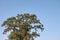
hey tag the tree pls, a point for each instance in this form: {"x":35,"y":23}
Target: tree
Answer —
{"x":21,"y":27}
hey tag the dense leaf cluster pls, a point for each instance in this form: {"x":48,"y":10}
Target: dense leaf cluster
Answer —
{"x":20,"y":27}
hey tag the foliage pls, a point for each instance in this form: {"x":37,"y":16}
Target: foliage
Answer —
{"x":21,"y":26}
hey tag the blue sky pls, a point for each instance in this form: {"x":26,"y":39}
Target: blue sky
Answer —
{"x":48,"y":11}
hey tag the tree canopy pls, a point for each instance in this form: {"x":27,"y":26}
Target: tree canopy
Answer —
{"x":21,"y":27}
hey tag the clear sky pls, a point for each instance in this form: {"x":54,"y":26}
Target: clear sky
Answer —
{"x":48,"y":11}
